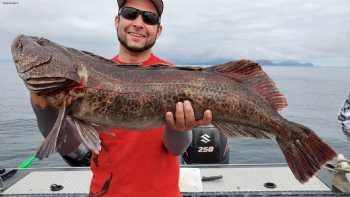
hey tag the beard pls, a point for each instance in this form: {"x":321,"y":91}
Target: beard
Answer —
{"x":147,"y":45}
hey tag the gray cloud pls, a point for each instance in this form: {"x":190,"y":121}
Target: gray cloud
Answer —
{"x":314,"y":31}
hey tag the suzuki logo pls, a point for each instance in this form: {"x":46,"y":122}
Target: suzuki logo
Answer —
{"x":205,"y":138}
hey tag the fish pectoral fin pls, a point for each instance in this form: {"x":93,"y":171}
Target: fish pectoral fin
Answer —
{"x":69,"y":139}
{"x":89,"y":135}
{"x":49,"y":144}
{"x":252,"y":75}
{"x":240,"y":130}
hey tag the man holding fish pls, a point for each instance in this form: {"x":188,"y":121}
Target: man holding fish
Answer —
{"x":136,"y":162}
{"x":81,"y":98}
{"x":143,"y":163}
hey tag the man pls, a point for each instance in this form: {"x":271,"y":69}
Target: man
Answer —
{"x":137,"y":162}
{"x":142,"y":163}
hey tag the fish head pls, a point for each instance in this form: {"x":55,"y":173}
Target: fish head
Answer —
{"x":43,"y":65}
{"x":28,"y":53}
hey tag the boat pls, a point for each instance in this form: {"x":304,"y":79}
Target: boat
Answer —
{"x":196,"y":179}
{"x":201,"y":180}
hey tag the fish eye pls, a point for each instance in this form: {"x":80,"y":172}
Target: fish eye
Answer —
{"x":19,"y":45}
{"x":42,"y":41}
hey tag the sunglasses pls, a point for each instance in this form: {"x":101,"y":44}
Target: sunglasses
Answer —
{"x":130,"y":13}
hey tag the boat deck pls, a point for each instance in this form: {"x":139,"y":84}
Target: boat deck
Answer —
{"x":200,"y":180}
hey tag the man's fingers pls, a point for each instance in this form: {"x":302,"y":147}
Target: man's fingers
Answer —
{"x":184,"y":118}
{"x":179,"y":116}
{"x":207,"y":118}
{"x":169,"y":118}
{"x":190,"y":120}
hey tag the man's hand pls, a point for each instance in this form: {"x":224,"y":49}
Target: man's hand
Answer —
{"x":184,"y":119}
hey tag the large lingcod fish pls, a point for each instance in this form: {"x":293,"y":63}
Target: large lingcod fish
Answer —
{"x":96,"y":94}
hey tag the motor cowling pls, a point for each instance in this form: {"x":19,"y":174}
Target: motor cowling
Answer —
{"x":208,"y":146}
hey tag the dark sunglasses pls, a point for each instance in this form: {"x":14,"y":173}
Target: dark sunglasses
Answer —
{"x":130,"y":13}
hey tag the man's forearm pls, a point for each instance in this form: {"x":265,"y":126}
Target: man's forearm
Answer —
{"x":177,"y":142}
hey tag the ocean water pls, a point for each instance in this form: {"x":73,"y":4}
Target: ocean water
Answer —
{"x":314,"y":96}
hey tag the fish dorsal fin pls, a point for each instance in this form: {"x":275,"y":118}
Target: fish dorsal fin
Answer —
{"x":252,"y":74}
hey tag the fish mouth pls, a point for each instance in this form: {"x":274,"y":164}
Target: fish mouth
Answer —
{"x":49,"y":85}
{"x":29,"y":53}
{"x":40,"y":66}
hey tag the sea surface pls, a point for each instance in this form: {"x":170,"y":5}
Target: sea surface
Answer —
{"x":314,"y":96}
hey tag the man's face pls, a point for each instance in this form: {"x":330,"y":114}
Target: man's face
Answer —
{"x":136,"y":35}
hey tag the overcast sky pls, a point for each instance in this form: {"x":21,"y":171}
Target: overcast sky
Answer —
{"x":316,"y":31}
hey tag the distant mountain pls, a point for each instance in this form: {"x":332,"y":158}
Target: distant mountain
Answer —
{"x":263,"y":62}
{"x":284,"y":63}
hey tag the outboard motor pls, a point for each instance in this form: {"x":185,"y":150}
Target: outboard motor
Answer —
{"x":208,"y":146}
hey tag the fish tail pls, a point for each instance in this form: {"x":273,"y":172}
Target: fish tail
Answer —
{"x":305,"y":152}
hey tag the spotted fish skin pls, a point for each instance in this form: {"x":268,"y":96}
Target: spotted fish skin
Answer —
{"x":95,"y":93}
{"x":141,"y":100}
